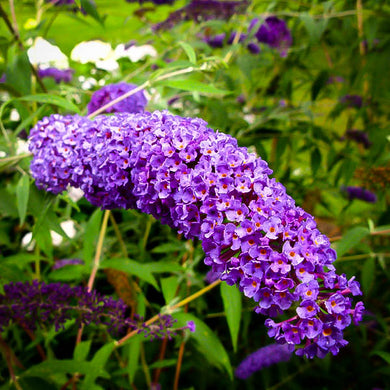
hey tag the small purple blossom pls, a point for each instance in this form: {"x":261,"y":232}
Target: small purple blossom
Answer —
{"x":274,"y":33}
{"x":360,"y":136}
{"x":134,"y":103}
{"x":58,"y":75}
{"x":65,"y":262}
{"x":354,"y":101}
{"x":215,"y":40}
{"x":359,"y":193}
{"x":262,"y":358}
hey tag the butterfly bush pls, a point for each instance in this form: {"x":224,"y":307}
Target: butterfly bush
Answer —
{"x":134,"y":103}
{"x":29,"y":304}
{"x":201,"y":183}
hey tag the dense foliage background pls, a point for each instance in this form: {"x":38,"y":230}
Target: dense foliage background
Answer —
{"x":317,"y":111}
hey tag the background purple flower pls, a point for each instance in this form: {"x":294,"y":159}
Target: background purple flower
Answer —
{"x":275,"y":33}
{"x":262,"y":358}
{"x":134,"y":103}
{"x":58,"y":75}
{"x":359,"y":193}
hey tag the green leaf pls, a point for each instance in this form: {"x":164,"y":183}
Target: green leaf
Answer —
{"x":51,"y":99}
{"x":384,"y":355}
{"x":194,"y":86}
{"x":133,"y":268}
{"x":315,"y":160}
{"x":134,"y":345}
{"x":98,"y":362}
{"x":189,"y":51}
{"x":206,"y":342}
{"x":91,"y":235}
{"x":315,"y":28}
{"x":169,"y":247}
{"x":231,"y":298}
{"x":18,"y":74}
{"x":319,"y":83}
{"x":82,"y":350}
{"x":368,"y":274}
{"x":350,"y":239}
{"x":22,"y":194}
{"x":169,"y":287}
{"x":90,"y":8}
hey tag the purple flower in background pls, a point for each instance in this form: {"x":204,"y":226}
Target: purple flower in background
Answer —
{"x":254,"y":48}
{"x":38,"y":303}
{"x":335,"y":79}
{"x":274,"y":33}
{"x":58,"y":75}
{"x":262,"y":358}
{"x":65,"y":262}
{"x":360,"y":136}
{"x":157,"y":2}
{"x":201,"y":183}
{"x":3,"y":78}
{"x":134,"y":103}
{"x":355,"y":101}
{"x":215,"y":40}
{"x":359,"y":193}
{"x":233,"y":35}
{"x":202,"y":10}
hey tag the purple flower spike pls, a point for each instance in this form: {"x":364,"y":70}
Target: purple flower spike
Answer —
{"x":359,"y":193}
{"x":274,"y":33}
{"x":262,"y":358}
{"x":215,"y":40}
{"x":134,"y":103}
{"x":201,"y":183}
{"x":58,"y":75}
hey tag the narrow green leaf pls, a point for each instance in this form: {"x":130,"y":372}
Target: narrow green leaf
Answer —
{"x":315,"y":160}
{"x":169,"y":287}
{"x":82,"y":350}
{"x":368,"y":274}
{"x":189,"y":51}
{"x":319,"y":83}
{"x":133,"y":268}
{"x":18,"y":74}
{"x":231,"y":298}
{"x":97,"y":363}
{"x":350,"y":239}
{"x":194,"y":86}
{"x":206,"y":342}
{"x":134,"y":345}
{"x":22,"y":194}
{"x":91,"y":235}
{"x":384,"y":355}
{"x":90,"y":9}
{"x":51,"y":99}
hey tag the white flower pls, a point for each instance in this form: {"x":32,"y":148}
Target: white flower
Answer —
{"x":44,"y":54}
{"x":135,"y":53}
{"x":27,"y":242}
{"x":91,"y":51}
{"x":75,"y":193}
{"x":21,"y":146}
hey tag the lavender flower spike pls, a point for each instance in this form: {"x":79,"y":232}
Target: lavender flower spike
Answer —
{"x":134,"y":103}
{"x":201,"y":183}
{"x":262,"y":358}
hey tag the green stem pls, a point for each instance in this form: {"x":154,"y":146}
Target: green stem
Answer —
{"x":171,"y":309}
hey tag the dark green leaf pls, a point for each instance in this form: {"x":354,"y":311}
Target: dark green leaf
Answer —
{"x":169,"y":288}
{"x":133,"y":268}
{"x":315,"y":160}
{"x":231,"y":298}
{"x":90,"y":9}
{"x":18,"y":74}
{"x":81,"y":350}
{"x":22,"y":194}
{"x":319,"y":83}
{"x":350,"y":239}
{"x":91,"y":235}
{"x":368,"y":274}
{"x":206,"y":342}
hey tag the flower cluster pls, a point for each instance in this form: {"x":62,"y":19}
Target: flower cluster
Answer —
{"x":352,"y":101}
{"x":203,"y":184}
{"x":29,"y":304}
{"x":58,"y":75}
{"x":360,"y":136}
{"x":202,"y":10}
{"x":262,"y":358}
{"x":272,"y":32}
{"x":359,"y":193}
{"x":134,"y":103}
